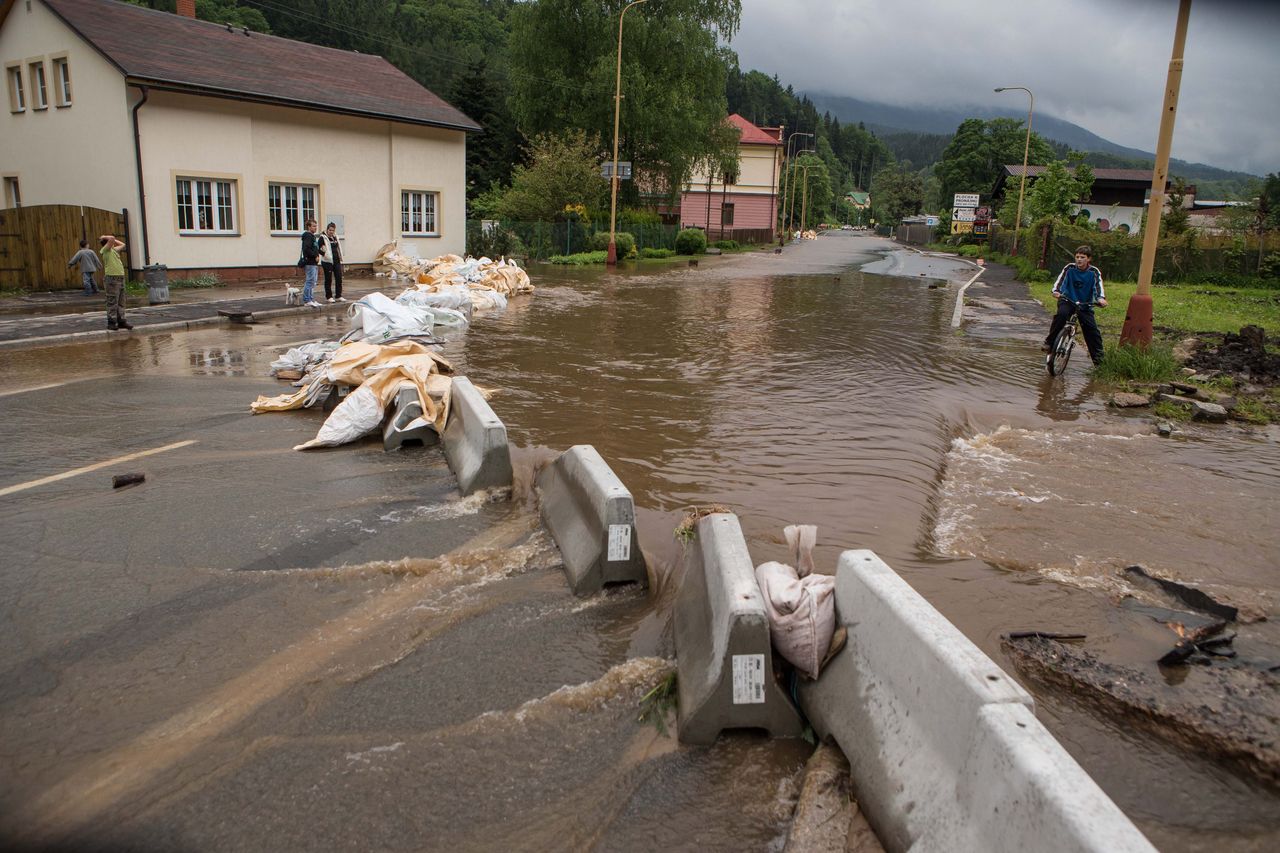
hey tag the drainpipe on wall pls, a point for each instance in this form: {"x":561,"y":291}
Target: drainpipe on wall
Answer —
{"x":142,"y":191}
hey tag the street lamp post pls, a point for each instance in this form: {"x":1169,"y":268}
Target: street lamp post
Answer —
{"x":1026,"y":149}
{"x":611,"y":258}
{"x":789,"y":208}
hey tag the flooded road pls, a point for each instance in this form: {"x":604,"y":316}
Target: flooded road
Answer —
{"x":335,"y":650}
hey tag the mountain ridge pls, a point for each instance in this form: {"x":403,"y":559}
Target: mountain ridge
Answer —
{"x":888,"y":119}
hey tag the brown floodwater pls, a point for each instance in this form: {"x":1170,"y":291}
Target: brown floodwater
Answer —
{"x":347,"y":654}
{"x":828,"y":396}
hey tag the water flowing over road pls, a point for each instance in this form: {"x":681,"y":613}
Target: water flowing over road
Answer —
{"x":360,"y":657}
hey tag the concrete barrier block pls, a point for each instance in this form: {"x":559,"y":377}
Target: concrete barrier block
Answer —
{"x":405,"y":408}
{"x":475,"y":441}
{"x":909,"y":700}
{"x":1020,"y":790}
{"x":723,"y":652}
{"x":592,"y":518}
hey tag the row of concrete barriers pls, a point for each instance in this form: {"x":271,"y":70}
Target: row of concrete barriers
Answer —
{"x":944,"y":748}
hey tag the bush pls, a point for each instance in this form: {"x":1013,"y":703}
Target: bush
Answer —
{"x":626,"y":243}
{"x":657,"y":253}
{"x":691,"y":241}
{"x":726,"y":245}
{"x":580,"y":259}
{"x":200,"y":281}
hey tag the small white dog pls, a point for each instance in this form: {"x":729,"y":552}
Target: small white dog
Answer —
{"x":292,"y":295}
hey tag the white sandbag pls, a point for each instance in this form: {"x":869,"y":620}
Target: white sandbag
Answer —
{"x":457,"y":297}
{"x":376,"y":318}
{"x":358,"y":415}
{"x":300,"y":358}
{"x":484,"y":298}
{"x":801,"y":610}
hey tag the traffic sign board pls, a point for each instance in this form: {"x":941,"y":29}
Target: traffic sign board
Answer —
{"x":963,"y":214}
{"x":958,"y":227}
{"x":624,"y":170}
{"x":966,"y":200}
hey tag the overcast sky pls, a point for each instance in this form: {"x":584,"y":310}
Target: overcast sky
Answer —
{"x":1101,"y":64}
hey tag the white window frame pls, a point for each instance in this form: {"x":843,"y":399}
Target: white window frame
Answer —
{"x":415,"y":219}
{"x":209,"y":207}
{"x":39,"y":86}
{"x":12,"y":191}
{"x":62,"y":81}
{"x":289,"y":208}
{"x":17,"y":95}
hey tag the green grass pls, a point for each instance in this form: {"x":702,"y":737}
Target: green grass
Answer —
{"x":1153,"y":364}
{"x":1170,"y":411}
{"x":200,"y":281}
{"x":579,"y":259}
{"x":1184,"y":308}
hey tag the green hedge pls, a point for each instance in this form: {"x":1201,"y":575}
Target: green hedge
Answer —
{"x":691,"y":241}
{"x":625,"y":242}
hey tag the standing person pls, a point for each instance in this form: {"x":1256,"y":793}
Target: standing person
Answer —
{"x":1078,"y":287}
{"x":331,"y":260}
{"x":310,"y":263}
{"x":89,"y":264}
{"x":113,"y":281}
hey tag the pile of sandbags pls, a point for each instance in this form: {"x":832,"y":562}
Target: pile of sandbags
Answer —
{"x":377,"y":373}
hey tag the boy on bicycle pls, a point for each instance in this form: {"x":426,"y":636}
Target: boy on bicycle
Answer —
{"x":1078,"y":287}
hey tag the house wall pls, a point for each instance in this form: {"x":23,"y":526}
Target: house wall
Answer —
{"x":1112,"y":217}
{"x":84,"y":154}
{"x":359,"y":165}
{"x":753,"y":195}
{"x":78,"y":154}
{"x":758,"y":171}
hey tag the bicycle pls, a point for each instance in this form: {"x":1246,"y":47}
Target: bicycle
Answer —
{"x":1060,"y":351}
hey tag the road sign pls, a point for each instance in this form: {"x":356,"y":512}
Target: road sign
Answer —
{"x":624,"y":170}
{"x":966,"y":200}
{"x":961,"y":227}
{"x":963,"y":214}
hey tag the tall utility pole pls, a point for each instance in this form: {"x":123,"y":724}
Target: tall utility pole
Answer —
{"x":1026,"y":150}
{"x":1140,"y":314}
{"x":611,"y":257}
{"x":789,"y":207}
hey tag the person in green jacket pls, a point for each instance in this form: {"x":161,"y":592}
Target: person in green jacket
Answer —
{"x":113,"y":281}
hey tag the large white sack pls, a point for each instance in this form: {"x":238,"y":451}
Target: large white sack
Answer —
{"x":376,"y":318}
{"x":455,"y":296}
{"x":358,"y":415}
{"x":801,"y":610}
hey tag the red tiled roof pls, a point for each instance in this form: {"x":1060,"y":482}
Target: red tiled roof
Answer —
{"x":752,"y":135}
{"x":172,"y":52}
{"x":1139,"y":175}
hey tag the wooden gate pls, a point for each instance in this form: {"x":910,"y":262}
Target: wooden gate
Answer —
{"x":36,"y":243}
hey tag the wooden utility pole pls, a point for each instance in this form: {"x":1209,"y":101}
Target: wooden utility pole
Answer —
{"x":1140,"y":315}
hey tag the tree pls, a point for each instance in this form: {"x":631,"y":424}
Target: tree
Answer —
{"x":564,"y":170}
{"x":497,"y":148}
{"x":896,"y":192}
{"x":1056,"y":190}
{"x":1176,"y":222}
{"x":563,"y":56}
{"x":979,"y":151}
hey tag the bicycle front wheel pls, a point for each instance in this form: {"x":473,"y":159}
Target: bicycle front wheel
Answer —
{"x":1061,"y":353}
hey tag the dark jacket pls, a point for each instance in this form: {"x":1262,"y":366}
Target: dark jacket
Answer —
{"x":1079,"y":285}
{"x":310,"y":250}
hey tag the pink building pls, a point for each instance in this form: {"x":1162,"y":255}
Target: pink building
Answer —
{"x":741,"y":206}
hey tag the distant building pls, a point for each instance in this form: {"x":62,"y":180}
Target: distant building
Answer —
{"x":859,"y":200}
{"x":742,"y":205}
{"x":221,"y":142}
{"x":1116,"y":202}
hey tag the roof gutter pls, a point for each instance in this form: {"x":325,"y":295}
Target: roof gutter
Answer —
{"x":250,"y":98}
{"x":142,"y":190}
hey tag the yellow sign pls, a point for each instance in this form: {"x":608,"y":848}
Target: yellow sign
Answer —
{"x":961,"y":227}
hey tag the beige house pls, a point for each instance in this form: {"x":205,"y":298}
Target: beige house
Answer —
{"x":220,"y":142}
{"x":743,"y":204}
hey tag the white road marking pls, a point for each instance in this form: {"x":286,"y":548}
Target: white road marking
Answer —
{"x":42,"y":387}
{"x":955,"y":317}
{"x":8,"y":490}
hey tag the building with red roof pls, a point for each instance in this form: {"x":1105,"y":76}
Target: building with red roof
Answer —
{"x":743,"y":204}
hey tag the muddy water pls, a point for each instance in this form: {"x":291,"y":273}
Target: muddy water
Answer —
{"x":384,"y":662}
{"x":830,"y":396}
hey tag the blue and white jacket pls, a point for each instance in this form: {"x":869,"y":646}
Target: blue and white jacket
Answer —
{"x":1079,"y":285}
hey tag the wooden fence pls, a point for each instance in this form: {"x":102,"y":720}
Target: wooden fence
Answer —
{"x":36,"y":243}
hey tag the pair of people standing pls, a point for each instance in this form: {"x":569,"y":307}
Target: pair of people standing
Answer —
{"x":321,"y":250}
{"x":108,"y":260}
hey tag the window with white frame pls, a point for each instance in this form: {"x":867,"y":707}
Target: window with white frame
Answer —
{"x":12,"y":192}
{"x":62,"y":81}
{"x":418,"y":213}
{"x":206,"y":206}
{"x":17,"y":97}
{"x":39,"y":90}
{"x":289,"y":206}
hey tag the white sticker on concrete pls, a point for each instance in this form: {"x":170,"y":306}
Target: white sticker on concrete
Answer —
{"x":619,"y":542}
{"x":748,"y":679}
